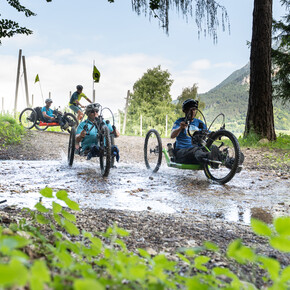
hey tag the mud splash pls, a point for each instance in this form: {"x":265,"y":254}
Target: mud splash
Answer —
{"x":132,"y":187}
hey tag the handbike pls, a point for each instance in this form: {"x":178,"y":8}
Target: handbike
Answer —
{"x":30,"y":118}
{"x":220,"y":171}
{"x":104,"y":142}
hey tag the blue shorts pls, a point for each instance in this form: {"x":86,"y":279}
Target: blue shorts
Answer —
{"x":75,"y":108}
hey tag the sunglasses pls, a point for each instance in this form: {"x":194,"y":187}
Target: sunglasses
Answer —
{"x":93,"y":111}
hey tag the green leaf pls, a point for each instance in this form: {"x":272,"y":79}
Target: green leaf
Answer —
{"x":199,"y":261}
{"x":87,"y":284}
{"x":57,"y":218}
{"x":183,"y":258}
{"x":41,"y":208}
{"x":71,"y":228}
{"x":56,"y":208}
{"x":211,"y":246}
{"x":281,"y":243}
{"x":271,"y":265}
{"x":65,"y":258}
{"x":62,"y":195}
{"x":68,"y":216}
{"x":285,"y":276}
{"x":41,"y":219}
{"x":122,"y":232}
{"x":13,"y":274}
{"x":46,"y":192}
{"x":239,"y":252}
{"x":260,"y":228}
{"x":144,"y":253}
{"x":40,"y":271}
{"x":9,"y":243}
{"x":71,"y":204}
{"x":282,"y":226}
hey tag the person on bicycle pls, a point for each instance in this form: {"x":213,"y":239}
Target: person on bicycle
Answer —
{"x":87,"y":134}
{"x":50,"y":116}
{"x":75,"y":104}
{"x":186,"y":151}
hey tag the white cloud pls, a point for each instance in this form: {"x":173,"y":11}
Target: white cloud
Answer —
{"x":60,"y":71}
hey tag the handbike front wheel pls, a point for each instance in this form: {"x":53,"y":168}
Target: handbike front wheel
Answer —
{"x":229,"y":156}
{"x":28,"y":118}
{"x":105,"y":151}
{"x":71,"y":146}
{"x":153,"y":150}
{"x":72,"y":121}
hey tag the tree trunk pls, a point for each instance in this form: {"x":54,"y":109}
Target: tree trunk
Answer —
{"x":260,"y":117}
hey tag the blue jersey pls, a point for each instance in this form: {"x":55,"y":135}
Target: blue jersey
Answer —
{"x":92,"y":134}
{"x":183,"y":140}
{"x":49,"y":111}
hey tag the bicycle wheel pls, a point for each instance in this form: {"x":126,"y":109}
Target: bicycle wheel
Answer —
{"x":112,"y":137}
{"x":40,"y":128}
{"x":72,"y":120}
{"x":105,"y":151}
{"x":229,"y":155}
{"x":153,"y":150}
{"x":71,"y":146}
{"x":28,"y":118}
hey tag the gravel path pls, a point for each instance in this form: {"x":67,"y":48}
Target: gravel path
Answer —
{"x":156,"y":232}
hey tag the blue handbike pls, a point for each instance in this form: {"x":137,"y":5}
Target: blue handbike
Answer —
{"x":220,"y":171}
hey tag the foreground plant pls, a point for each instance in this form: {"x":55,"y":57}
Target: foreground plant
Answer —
{"x":48,"y":251}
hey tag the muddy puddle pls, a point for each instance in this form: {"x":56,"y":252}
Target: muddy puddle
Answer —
{"x":131,"y":186}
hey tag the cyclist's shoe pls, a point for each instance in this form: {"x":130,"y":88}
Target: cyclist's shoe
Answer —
{"x":215,"y":157}
{"x":230,"y":162}
{"x":89,"y":156}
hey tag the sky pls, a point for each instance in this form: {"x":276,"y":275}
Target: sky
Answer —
{"x":69,"y":36}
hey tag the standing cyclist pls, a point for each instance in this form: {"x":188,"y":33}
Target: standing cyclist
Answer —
{"x":74,"y":102}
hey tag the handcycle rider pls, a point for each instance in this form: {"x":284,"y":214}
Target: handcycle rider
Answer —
{"x":188,"y":150}
{"x":75,"y":104}
{"x":50,"y":116}
{"x":87,"y":134}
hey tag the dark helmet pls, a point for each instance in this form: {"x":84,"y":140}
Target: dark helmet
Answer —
{"x":189,"y":103}
{"x":48,"y":100}
{"x":92,"y":107}
{"x":79,"y":87}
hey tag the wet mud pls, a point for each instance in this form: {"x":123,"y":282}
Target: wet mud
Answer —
{"x":132,"y":187}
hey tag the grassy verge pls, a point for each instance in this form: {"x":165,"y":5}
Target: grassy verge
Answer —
{"x":10,"y":131}
{"x":282,"y":142}
{"x":48,"y":251}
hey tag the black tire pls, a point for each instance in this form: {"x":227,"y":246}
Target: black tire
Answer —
{"x":229,"y":149}
{"x":72,"y":120}
{"x":40,"y":128}
{"x":112,"y":137}
{"x":153,"y":150}
{"x":28,"y":118}
{"x":105,"y":151}
{"x":71,"y":146}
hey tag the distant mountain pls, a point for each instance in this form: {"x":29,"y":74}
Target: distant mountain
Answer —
{"x":231,"y":98}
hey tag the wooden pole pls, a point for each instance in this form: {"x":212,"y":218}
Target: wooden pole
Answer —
{"x":17,"y":80}
{"x":94,"y":95}
{"x":25,"y":81}
{"x":32,"y":100}
{"x":126,"y":109}
{"x":2,"y":106}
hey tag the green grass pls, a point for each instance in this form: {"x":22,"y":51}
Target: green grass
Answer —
{"x":11,"y":131}
{"x":282,"y":142}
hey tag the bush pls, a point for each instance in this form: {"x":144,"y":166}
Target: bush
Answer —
{"x":33,"y":258}
{"x":10,"y":131}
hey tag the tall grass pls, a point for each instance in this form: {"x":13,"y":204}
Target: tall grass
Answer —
{"x":11,"y":131}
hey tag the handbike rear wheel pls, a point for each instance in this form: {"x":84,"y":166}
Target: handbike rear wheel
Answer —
{"x":153,"y":150}
{"x":71,"y":146}
{"x":28,"y":118}
{"x":72,"y":120}
{"x":229,"y":155}
{"x":105,"y":151}
{"x":40,"y":128}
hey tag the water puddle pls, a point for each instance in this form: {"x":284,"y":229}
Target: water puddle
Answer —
{"x":132,"y":187}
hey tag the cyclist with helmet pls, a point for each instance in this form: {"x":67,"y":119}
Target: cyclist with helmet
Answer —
{"x":186,"y":151}
{"x":74,"y":102}
{"x":87,"y":133}
{"x":49,"y":115}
